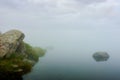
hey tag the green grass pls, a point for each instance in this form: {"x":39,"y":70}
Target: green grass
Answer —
{"x":39,"y":51}
{"x":16,"y":63}
{"x":34,"y":52}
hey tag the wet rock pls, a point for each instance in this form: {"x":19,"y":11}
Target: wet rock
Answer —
{"x":101,"y":56}
{"x":9,"y":42}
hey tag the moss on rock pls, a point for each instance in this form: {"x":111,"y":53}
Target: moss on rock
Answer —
{"x":21,"y":63}
{"x":16,"y":56}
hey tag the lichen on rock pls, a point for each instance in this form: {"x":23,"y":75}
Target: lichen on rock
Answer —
{"x":9,"y":42}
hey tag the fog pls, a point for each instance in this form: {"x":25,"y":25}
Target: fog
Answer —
{"x":69,"y":29}
{"x":32,"y":15}
{"x":78,"y":24}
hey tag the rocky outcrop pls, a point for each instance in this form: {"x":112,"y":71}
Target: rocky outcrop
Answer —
{"x":16,"y":56}
{"x":10,"y":42}
{"x":101,"y":56}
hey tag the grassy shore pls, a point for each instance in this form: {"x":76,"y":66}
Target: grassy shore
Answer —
{"x":21,"y":63}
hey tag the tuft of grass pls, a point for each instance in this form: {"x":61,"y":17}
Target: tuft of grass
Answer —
{"x":34,"y":53}
{"x":21,"y":63}
{"x":39,"y":51}
{"x":15,"y":64}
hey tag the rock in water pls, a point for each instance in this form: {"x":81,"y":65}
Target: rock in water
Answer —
{"x":101,"y":56}
{"x":9,"y":42}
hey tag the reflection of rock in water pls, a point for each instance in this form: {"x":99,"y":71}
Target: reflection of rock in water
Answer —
{"x":10,"y":76}
{"x":101,"y":56}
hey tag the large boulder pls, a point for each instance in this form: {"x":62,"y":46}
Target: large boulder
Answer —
{"x":101,"y":56}
{"x":10,"y":42}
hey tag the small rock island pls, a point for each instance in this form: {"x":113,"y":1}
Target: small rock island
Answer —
{"x":16,"y":56}
{"x":101,"y":56}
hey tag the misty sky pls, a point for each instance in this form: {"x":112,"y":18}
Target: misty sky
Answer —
{"x":59,"y":14}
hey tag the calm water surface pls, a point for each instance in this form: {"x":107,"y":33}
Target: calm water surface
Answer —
{"x":69,"y":55}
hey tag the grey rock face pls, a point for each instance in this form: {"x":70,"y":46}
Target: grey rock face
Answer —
{"x":9,"y":42}
{"x":101,"y":56}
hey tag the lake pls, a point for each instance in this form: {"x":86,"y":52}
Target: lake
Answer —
{"x":69,"y":55}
